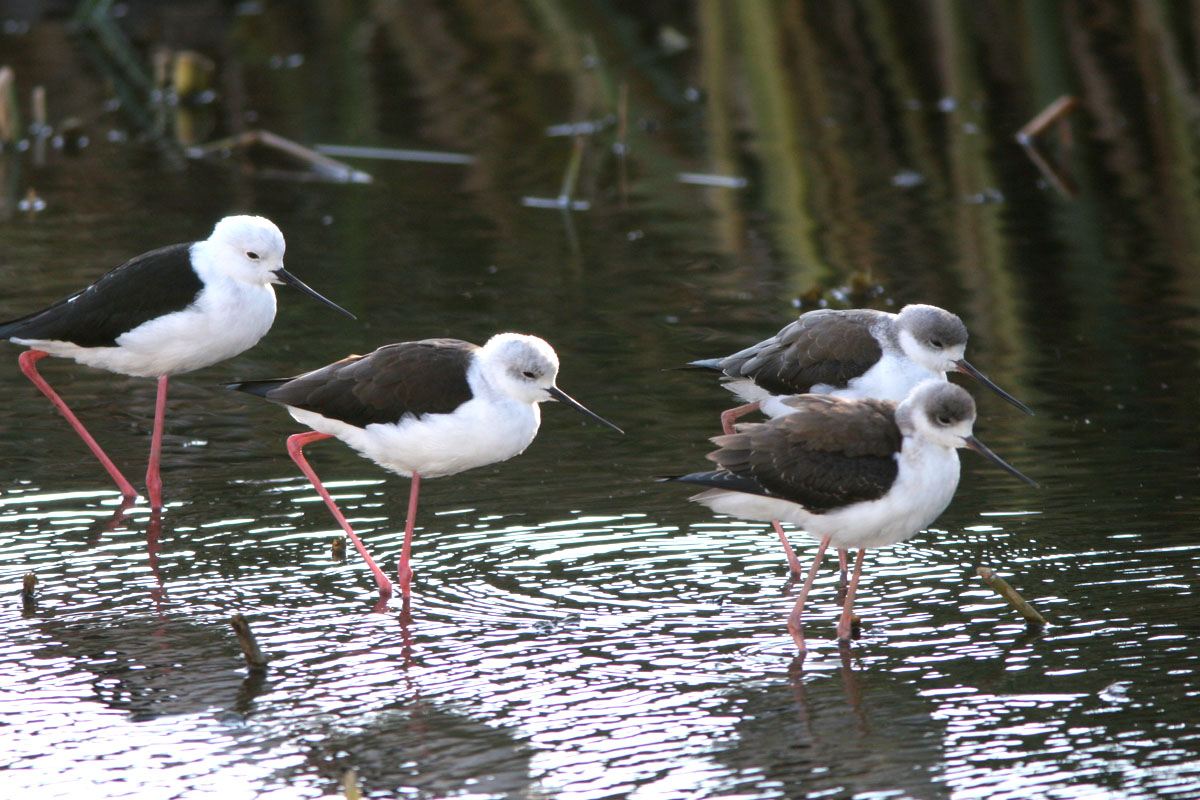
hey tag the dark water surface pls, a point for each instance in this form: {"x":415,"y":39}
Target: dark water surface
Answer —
{"x":580,"y":631}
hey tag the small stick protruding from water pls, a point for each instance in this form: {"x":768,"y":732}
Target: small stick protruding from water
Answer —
{"x":255,"y":659}
{"x":1048,"y":116}
{"x":1001,"y":587}
{"x":10,"y":118}
{"x":350,"y":785}
{"x":29,"y":592}
{"x":339,"y":548}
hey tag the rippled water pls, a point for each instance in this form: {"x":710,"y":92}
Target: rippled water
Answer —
{"x":579,"y":630}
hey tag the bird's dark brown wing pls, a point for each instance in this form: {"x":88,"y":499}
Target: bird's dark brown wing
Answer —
{"x":145,"y":287}
{"x":830,"y":452}
{"x":423,"y":377}
{"x":820,"y":347}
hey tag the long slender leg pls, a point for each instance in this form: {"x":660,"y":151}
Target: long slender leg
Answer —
{"x":794,"y":626}
{"x":404,"y":571}
{"x":845,"y":623}
{"x":28,"y":361}
{"x":295,"y":447}
{"x":153,"y":479}
{"x":727,"y":417}
{"x":793,"y":562}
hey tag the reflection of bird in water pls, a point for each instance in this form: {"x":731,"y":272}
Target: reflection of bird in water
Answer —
{"x":854,"y":473}
{"x":423,"y":409}
{"x":165,"y":312}
{"x":857,"y":354}
{"x":418,"y":750}
{"x":849,"y":734}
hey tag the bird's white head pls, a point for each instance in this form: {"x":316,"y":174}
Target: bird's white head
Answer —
{"x":944,"y":414}
{"x":247,"y":249}
{"x":940,"y":412}
{"x":524,"y":367}
{"x":521,"y":366}
{"x":932,"y":337}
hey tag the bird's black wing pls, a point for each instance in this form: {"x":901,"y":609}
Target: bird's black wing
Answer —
{"x":829,"y":453}
{"x":820,"y":347}
{"x":145,"y":287}
{"x":423,"y":377}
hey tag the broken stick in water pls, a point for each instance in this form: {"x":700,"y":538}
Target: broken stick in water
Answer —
{"x":255,"y":659}
{"x":1001,"y":587}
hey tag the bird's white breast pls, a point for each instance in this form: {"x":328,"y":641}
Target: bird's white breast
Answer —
{"x":434,"y":445}
{"x":227,"y":318}
{"x":924,"y":486}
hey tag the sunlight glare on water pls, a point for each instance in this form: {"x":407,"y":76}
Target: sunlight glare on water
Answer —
{"x":578,"y":629}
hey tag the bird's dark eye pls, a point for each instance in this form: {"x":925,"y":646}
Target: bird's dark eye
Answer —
{"x":529,"y":374}
{"x":937,"y":343}
{"x":252,"y":256}
{"x":943,"y":419}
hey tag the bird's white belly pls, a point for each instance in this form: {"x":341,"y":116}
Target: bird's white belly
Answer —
{"x":219,"y":325}
{"x":435,"y":445}
{"x":890,"y":378}
{"x":915,"y":500}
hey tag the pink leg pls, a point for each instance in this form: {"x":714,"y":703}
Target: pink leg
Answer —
{"x":404,"y":571}
{"x":845,"y":623}
{"x":842,"y":563}
{"x":295,"y":447}
{"x":793,"y":562}
{"x":153,"y":479}
{"x":794,"y":626}
{"x":28,"y":361}
{"x":727,"y":417}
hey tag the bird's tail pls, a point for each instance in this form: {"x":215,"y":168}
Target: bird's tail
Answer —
{"x":260,"y":388}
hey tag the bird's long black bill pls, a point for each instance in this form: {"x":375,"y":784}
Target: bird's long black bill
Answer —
{"x":982,"y":449}
{"x":561,"y":396}
{"x":292,"y":280}
{"x":965,"y":368}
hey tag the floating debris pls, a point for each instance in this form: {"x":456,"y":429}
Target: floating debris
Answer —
{"x":586,"y":128}
{"x":31,"y":203}
{"x":320,"y":166}
{"x":561,"y":201}
{"x":907,"y":179}
{"x":722,"y":181}
{"x":394,"y":154}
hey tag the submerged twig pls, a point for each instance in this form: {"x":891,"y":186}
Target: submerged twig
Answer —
{"x":1002,"y":588}
{"x":255,"y":659}
{"x":324,"y":166}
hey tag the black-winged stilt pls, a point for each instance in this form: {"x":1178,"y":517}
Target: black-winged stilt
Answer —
{"x":424,"y":409}
{"x":165,"y":312}
{"x":856,"y":354}
{"x":852,"y":473}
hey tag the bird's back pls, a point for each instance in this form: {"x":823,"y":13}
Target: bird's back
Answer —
{"x":143,"y":288}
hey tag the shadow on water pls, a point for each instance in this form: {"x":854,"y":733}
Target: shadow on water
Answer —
{"x":579,"y":630}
